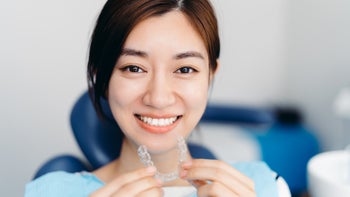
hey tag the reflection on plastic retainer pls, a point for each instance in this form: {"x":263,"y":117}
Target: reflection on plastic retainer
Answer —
{"x":146,"y":159}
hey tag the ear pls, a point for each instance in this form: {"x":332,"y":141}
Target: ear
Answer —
{"x":213,"y":73}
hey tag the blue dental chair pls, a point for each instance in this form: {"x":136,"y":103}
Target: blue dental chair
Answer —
{"x":100,"y":140}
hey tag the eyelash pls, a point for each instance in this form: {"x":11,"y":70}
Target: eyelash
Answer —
{"x":186,"y":70}
{"x":131,"y":68}
{"x":137,"y":69}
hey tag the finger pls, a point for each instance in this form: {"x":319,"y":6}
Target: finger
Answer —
{"x":141,"y":187}
{"x":219,"y":166}
{"x":218,"y":171}
{"x":123,"y":180}
{"x":154,"y":192}
{"x":213,"y":177}
{"x":215,"y":189}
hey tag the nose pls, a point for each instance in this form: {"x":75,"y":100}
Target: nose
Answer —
{"x":160,"y":92}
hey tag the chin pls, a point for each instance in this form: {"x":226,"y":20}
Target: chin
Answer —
{"x":159,"y":145}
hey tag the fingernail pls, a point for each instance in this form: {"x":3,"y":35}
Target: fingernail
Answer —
{"x":151,"y":169}
{"x":160,"y":182}
{"x":183,"y":173}
{"x":186,"y":164}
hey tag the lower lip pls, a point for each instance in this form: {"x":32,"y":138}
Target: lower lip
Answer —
{"x":157,"y":129}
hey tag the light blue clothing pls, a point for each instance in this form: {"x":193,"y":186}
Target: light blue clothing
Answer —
{"x":58,"y":184}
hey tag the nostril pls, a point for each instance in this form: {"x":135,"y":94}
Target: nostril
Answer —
{"x":159,"y":97}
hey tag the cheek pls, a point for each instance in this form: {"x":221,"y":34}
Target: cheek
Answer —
{"x":121,"y":97}
{"x":121,"y":93}
{"x":195,"y":94}
{"x":195,"y":100}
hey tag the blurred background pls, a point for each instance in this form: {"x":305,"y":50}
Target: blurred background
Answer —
{"x":274,"y":52}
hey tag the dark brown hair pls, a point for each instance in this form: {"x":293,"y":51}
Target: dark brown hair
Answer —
{"x":119,"y":17}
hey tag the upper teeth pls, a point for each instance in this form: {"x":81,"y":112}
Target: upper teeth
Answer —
{"x":158,"y":122}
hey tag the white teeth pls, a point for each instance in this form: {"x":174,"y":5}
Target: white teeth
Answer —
{"x":158,"y":122}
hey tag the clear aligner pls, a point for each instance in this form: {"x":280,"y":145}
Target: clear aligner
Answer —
{"x":146,"y":159}
{"x":182,"y":149}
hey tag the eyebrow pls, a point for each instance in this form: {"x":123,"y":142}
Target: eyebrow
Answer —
{"x":133,"y":52}
{"x":138,"y":53}
{"x":188,"y":54}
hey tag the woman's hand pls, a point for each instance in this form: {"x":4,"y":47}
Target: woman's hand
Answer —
{"x":216,"y":178}
{"x":137,"y":183}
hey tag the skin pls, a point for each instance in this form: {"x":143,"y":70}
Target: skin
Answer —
{"x":163,"y":73}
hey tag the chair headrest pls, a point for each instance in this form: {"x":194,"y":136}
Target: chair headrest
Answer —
{"x":99,"y":140}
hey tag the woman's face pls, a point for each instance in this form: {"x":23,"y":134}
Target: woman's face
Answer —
{"x":159,"y":86}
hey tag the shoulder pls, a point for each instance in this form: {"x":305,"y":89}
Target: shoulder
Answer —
{"x":266,"y":181}
{"x":62,"y":184}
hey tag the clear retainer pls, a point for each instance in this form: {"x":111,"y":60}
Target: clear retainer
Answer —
{"x":146,"y":159}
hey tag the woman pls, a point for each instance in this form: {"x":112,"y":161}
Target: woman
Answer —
{"x":154,"y":61}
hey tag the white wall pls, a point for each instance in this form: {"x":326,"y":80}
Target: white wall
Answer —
{"x":253,"y":51}
{"x":43,"y":52}
{"x":319,"y":63}
{"x":43,"y":56}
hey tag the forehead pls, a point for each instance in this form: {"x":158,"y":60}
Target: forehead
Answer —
{"x":171,"y":31}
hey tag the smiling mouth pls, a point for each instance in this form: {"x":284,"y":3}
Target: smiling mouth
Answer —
{"x":158,"y":122}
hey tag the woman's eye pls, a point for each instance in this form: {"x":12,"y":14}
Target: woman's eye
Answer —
{"x":185,"y":70}
{"x":133,"y":69}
